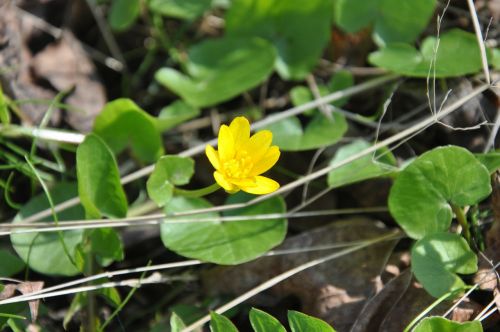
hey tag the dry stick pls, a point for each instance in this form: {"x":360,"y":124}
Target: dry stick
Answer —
{"x":38,"y":294}
{"x":157,"y":219}
{"x":283,"y":276}
{"x":480,"y":41}
{"x":263,"y":123}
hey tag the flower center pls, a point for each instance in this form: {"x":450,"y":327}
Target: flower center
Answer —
{"x":240,"y":166}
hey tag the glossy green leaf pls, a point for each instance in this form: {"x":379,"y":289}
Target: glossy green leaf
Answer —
{"x":10,"y":264}
{"x":176,"y":113}
{"x":420,"y":197}
{"x":457,"y":55}
{"x":4,"y":110}
{"x":44,"y":252}
{"x":490,"y":160}
{"x":169,"y":171}
{"x":392,"y":20}
{"x":220,"y":323}
{"x":300,"y":322}
{"x":289,"y":135}
{"x":106,"y":245}
{"x":371,"y":166}
{"x":122,"y":123}
{"x":223,"y":242}
{"x":440,"y":324}
{"x":264,"y":322}
{"x":283,"y":24}
{"x":182,"y":9}
{"x":123,"y":14}
{"x":220,"y":70}
{"x":99,"y":187}
{"x":437,"y":257}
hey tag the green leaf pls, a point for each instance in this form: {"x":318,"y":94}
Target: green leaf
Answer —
{"x":99,"y":187}
{"x":11,"y":264}
{"x":289,"y":135}
{"x":122,"y":123}
{"x":361,"y":169}
{"x":283,"y":24}
{"x":440,"y":324}
{"x":264,"y":322}
{"x":457,"y":55}
{"x":175,"y":114}
{"x":232,"y":242}
{"x":44,"y":252}
{"x":4,"y":110}
{"x":182,"y":9}
{"x":169,"y":171}
{"x":176,"y":323}
{"x":106,"y":245}
{"x":220,"y":70}
{"x":220,"y":323}
{"x":300,"y":322}
{"x":420,"y":197}
{"x":123,"y":14}
{"x":437,"y":257}
{"x":490,"y":160}
{"x":393,"y":20}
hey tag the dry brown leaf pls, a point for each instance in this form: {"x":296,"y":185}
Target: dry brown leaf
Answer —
{"x":65,"y":65}
{"x":335,"y":291}
{"x":28,"y":287}
{"x":8,"y":291}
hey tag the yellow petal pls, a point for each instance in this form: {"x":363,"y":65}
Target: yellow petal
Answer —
{"x":259,"y":144}
{"x":248,"y":182}
{"x":240,"y":128}
{"x":212,"y":156}
{"x":224,"y":183}
{"x":226,"y":144}
{"x":266,"y":162}
{"x":263,"y":186}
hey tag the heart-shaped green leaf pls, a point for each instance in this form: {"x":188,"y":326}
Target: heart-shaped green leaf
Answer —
{"x":122,"y":122}
{"x":440,"y":324}
{"x":99,"y":187}
{"x":264,"y":322}
{"x":183,"y":9}
{"x":437,"y":257}
{"x":220,"y":70}
{"x":44,"y":252}
{"x":289,"y":135}
{"x":232,"y":242}
{"x":393,"y":20}
{"x":422,"y":193}
{"x":457,"y":55}
{"x":300,"y":322}
{"x":364,"y":168}
{"x":283,"y":24}
{"x":169,"y":171}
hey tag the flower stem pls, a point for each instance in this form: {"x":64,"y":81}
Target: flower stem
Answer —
{"x":197,"y":192}
{"x":462,"y":220}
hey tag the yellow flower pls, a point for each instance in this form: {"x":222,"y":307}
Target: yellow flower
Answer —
{"x":241,"y":158}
